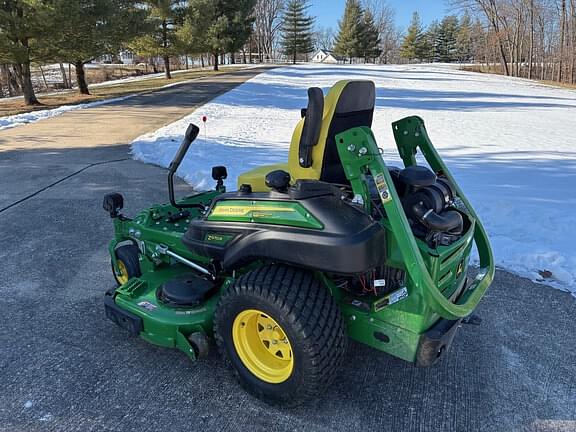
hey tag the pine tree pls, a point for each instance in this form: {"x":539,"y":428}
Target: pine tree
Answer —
{"x":446,"y":40}
{"x":431,"y":36}
{"x":87,"y":29}
{"x":370,"y":40}
{"x":161,"y":38}
{"x":411,"y":46}
{"x":240,"y":15}
{"x":297,"y":34}
{"x":464,"y":39}
{"x":349,"y":42}
{"x":22,"y":25}
{"x":478,"y":41}
{"x":216,"y":26}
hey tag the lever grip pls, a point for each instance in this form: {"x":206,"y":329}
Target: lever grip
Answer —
{"x":189,"y":137}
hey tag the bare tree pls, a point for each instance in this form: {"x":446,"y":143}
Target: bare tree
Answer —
{"x":267,"y":27}
{"x":531,"y":49}
{"x":324,"y":38}
{"x":490,"y":10}
{"x":389,"y":34}
{"x":561,"y":45}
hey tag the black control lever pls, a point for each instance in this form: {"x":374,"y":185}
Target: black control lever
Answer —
{"x":189,"y":137}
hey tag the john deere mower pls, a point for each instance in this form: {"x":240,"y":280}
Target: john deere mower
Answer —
{"x":334,"y":245}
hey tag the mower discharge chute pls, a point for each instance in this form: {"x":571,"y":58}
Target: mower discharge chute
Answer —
{"x":332,"y":245}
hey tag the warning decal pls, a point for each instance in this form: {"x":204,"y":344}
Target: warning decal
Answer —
{"x":382,"y":187}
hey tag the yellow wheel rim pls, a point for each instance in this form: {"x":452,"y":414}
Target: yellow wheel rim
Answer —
{"x":263,"y":346}
{"x":122,"y":275}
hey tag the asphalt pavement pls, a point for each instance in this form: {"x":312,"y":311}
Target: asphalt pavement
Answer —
{"x":65,"y":367}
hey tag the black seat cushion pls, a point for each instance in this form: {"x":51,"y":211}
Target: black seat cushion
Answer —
{"x":354,"y":108}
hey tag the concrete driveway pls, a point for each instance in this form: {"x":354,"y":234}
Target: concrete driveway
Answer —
{"x":63,"y":366}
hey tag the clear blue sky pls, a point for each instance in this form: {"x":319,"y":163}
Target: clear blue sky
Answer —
{"x":328,"y":12}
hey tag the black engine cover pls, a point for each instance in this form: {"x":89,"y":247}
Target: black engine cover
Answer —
{"x":350,"y":243}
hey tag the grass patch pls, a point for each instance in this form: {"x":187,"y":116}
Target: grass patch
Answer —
{"x":72,"y":97}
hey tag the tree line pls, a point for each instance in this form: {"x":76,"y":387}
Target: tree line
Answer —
{"x":78,"y":32}
{"x":452,"y":39}
{"x":529,"y":38}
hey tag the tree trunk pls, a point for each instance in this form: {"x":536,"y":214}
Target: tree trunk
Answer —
{"x":561,"y":47}
{"x":14,"y":89}
{"x":491,"y":12}
{"x":27,"y":87}
{"x":81,"y":77}
{"x":531,"y":49}
{"x":65,"y":81}
{"x":166,"y":57}
{"x":167,"y":73}
{"x":43,"y":77}
{"x":15,"y":81}
{"x":215,"y":55}
{"x":24,"y":71}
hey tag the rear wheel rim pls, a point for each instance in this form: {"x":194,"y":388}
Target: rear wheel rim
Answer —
{"x":262,"y":346}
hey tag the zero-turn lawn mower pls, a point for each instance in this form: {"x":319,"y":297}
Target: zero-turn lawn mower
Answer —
{"x":304,"y":255}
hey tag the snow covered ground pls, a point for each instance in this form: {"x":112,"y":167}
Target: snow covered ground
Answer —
{"x":509,"y":142}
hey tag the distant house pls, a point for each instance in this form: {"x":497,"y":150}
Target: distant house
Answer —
{"x":127,"y":57}
{"x":324,"y":56}
{"x":123,"y":57}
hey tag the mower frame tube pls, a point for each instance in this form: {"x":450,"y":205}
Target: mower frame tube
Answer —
{"x":360,"y":155}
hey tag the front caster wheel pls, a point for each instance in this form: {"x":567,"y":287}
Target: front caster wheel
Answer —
{"x":281,"y":332}
{"x":127,"y":263}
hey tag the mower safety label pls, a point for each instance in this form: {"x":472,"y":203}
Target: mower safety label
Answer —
{"x":391,"y":298}
{"x":147,"y":305}
{"x":398,"y":295}
{"x":382,"y":187}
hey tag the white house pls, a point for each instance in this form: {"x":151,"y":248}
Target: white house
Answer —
{"x":324,"y":56}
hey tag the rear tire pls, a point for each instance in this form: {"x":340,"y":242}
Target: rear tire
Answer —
{"x":128,"y":263}
{"x":307,"y":328}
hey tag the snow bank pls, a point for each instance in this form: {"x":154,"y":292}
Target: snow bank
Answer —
{"x":509,"y":142}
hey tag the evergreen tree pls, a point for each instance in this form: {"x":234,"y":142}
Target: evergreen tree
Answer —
{"x":23,"y":23}
{"x":216,"y":26}
{"x":87,"y":29}
{"x":446,"y":39}
{"x":478,"y":41}
{"x":370,"y":37}
{"x":429,"y":47}
{"x":240,"y":15}
{"x":412,"y":45}
{"x":464,"y":39}
{"x":161,"y":39}
{"x":297,"y":33}
{"x":349,"y":41}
